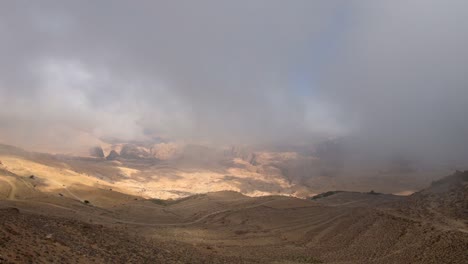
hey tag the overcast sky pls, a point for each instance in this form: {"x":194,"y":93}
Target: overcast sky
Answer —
{"x":388,"y":75}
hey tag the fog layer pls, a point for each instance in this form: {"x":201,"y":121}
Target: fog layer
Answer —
{"x":389,"y":76}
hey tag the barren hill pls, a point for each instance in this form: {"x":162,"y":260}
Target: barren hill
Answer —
{"x":90,"y":210}
{"x":170,"y":171}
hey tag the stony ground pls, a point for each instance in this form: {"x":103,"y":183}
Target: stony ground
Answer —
{"x":26,"y":238}
{"x":226,"y":227}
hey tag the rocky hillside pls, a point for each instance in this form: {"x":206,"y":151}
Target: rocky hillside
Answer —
{"x":445,"y":201}
{"x":30,"y":238}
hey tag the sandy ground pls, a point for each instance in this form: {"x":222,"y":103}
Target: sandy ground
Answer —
{"x":45,"y":219}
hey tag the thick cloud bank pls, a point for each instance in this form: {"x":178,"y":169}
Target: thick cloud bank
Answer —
{"x":389,"y":75}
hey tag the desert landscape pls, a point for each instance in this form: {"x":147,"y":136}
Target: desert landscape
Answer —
{"x":55,"y":211}
{"x":234,"y":131}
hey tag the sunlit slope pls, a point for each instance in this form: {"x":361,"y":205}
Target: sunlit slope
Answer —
{"x":149,"y":179}
{"x":344,"y":227}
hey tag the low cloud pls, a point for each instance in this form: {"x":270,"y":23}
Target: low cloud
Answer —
{"x":388,"y":76}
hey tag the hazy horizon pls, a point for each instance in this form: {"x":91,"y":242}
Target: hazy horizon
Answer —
{"x":388,"y":77}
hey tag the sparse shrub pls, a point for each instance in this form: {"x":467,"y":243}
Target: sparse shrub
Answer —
{"x":86,"y":202}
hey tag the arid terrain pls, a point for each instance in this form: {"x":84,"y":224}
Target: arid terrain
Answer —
{"x":265,"y":131}
{"x":171,"y":170}
{"x":74,"y":210}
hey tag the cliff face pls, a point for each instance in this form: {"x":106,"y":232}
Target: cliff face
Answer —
{"x":131,"y":151}
{"x":96,"y":152}
{"x":113,"y":155}
{"x":166,"y":151}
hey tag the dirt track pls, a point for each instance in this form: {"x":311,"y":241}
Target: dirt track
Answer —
{"x":12,"y":187}
{"x":227,"y":226}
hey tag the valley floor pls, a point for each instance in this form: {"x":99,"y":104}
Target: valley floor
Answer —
{"x":228,"y":227}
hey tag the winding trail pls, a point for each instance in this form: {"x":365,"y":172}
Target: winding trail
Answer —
{"x":195,"y":221}
{"x":66,"y":189}
{"x":119,"y":221}
{"x":13,"y":190}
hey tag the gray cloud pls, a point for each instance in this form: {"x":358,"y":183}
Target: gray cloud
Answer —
{"x":401,"y":75}
{"x":389,"y":75}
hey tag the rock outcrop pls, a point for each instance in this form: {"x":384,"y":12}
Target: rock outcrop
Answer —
{"x":166,"y":151}
{"x":131,"y":151}
{"x":113,"y":155}
{"x":96,"y":152}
